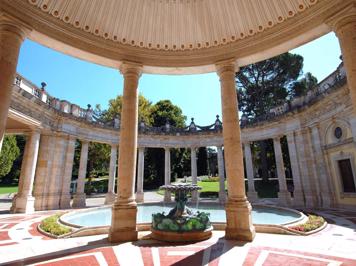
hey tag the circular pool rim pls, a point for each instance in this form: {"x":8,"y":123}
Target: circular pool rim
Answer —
{"x":302,"y":217}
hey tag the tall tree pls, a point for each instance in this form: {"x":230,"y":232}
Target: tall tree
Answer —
{"x":202,"y":162}
{"x":162,"y":112}
{"x":9,"y":153}
{"x":265,"y":84}
{"x":115,"y":107}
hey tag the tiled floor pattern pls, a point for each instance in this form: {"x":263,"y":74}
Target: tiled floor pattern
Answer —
{"x":22,"y":244}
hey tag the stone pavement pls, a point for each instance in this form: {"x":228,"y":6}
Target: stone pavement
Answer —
{"x":22,"y":244}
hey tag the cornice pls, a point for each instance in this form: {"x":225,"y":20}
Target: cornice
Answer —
{"x":51,"y":31}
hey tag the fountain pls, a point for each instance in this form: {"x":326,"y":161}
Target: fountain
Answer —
{"x":181,"y":224}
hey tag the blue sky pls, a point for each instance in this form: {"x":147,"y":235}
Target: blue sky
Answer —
{"x":81,"y":82}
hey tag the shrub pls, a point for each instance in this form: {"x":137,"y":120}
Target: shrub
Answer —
{"x":211,"y":179}
{"x":51,"y":225}
{"x":313,"y":223}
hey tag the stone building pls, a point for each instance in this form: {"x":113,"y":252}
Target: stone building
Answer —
{"x":181,"y":37}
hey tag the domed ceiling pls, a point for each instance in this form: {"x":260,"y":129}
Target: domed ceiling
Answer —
{"x":173,"y":25}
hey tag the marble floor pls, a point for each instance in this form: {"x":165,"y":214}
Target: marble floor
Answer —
{"x":22,"y":244}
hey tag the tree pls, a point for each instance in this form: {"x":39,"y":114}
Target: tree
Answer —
{"x":164,"y":111}
{"x":202,"y":162}
{"x":267,"y":83}
{"x":303,"y":85}
{"x":9,"y":153}
{"x":115,"y":108}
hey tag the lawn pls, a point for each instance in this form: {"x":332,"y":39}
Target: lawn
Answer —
{"x":6,"y":189}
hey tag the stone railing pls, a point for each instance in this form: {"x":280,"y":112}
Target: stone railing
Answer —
{"x":60,"y":105}
{"x":335,"y":80}
{"x":332,"y":82}
{"x":191,"y":129}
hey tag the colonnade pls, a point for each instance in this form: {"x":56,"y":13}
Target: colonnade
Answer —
{"x":123,"y":227}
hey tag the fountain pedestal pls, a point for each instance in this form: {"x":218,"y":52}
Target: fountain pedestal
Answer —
{"x":181,"y":225}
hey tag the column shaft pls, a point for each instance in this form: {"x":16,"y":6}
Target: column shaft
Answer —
{"x":221,"y":169}
{"x":298,"y":196}
{"x":194,"y":172}
{"x":238,"y":209}
{"x":67,"y":175}
{"x":252,"y":195}
{"x":283,"y":194}
{"x":79,"y":197}
{"x":24,"y":199}
{"x":123,"y":225}
{"x":306,"y":165}
{"x":110,"y":196}
{"x":12,"y":34}
{"x":167,"y":173}
{"x":43,"y":171}
{"x":140,"y":175}
{"x":324,"y":180}
{"x":344,"y":25}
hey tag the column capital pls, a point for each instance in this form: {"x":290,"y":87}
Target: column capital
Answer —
{"x":224,"y":66}
{"x":84,"y":141}
{"x":342,"y":18}
{"x":13,"y":25}
{"x":142,"y":149}
{"x":131,"y":69}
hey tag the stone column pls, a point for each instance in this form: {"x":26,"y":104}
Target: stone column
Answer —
{"x":221,"y":169}
{"x":12,"y":34}
{"x":343,"y":24}
{"x":123,"y":225}
{"x":110,"y":196}
{"x":167,"y":173}
{"x":79,"y":197}
{"x":140,"y":174}
{"x":298,"y":197}
{"x":64,"y":202}
{"x":306,"y":168}
{"x":324,"y":180}
{"x":251,"y":194}
{"x":283,"y":194}
{"x":238,"y":210}
{"x":55,"y":178}
{"x":43,"y":171}
{"x":24,"y":199}
{"x":194,"y":174}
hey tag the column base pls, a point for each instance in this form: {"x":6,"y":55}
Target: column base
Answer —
{"x":140,"y":197}
{"x":167,"y":196}
{"x":64,"y":203}
{"x":110,"y":198}
{"x":51,"y":202}
{"x":23,"y":204}
{"x":123,"y":223}
{"x":284,"y":198}
{"x":79,"y":201}
{"x":252,"y":196}
{"x":239,"y":224}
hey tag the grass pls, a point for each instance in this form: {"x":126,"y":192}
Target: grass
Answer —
{"x":6,"y":189}
{"x":51,"y":225}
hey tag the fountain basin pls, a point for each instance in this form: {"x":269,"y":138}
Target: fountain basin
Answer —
{"x":262,"y":215}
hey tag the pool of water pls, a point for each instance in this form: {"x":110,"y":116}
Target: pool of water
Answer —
{"x":102,"y":216}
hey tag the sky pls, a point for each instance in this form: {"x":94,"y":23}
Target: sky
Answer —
{"x":83,"y":83}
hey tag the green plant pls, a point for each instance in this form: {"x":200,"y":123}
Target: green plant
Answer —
{"x":211,"y":179}
{"x":51,"y":225}
{"x":313,"y":223}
